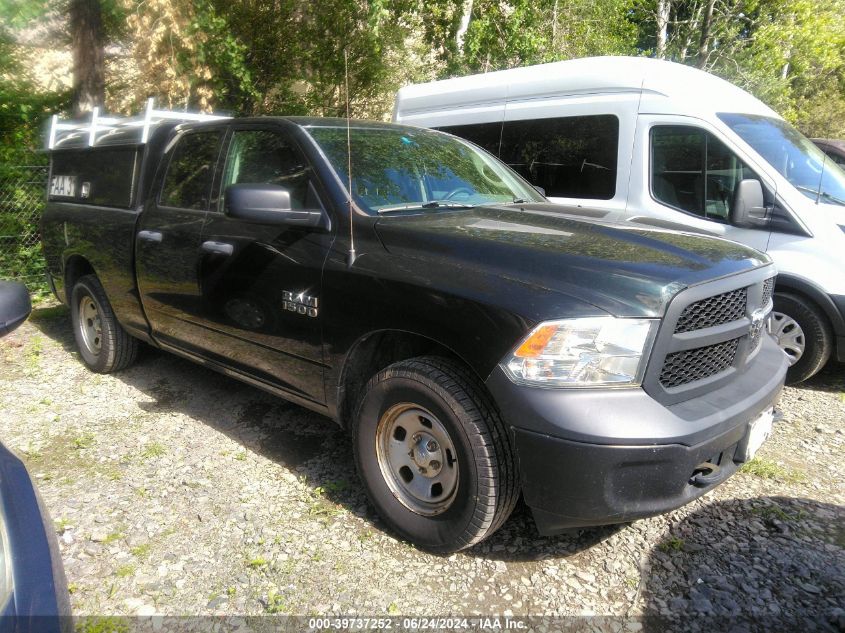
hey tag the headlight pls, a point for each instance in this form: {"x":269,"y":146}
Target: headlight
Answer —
{"x":583,"y":352}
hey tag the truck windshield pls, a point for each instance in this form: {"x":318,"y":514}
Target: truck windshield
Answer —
{"x":792,"y":154}
{"x":394,"y":169}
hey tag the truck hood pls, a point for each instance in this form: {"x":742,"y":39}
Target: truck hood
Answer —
{"x":623,"y":270}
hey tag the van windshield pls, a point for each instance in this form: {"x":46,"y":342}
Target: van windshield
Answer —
{"x":792,"y":154}
{"x":396,"y":168}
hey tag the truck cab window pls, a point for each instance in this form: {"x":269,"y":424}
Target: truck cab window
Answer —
{"x":267,"y":157}
{"x":187,"y":184}
{"x":693,"y":171}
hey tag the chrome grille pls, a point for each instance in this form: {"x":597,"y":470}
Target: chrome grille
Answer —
{"x":716,"y":310}
{"x":768,"y":290}
{"x":687,"y":366}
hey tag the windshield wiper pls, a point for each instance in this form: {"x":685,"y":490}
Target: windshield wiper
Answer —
{"x":821,"y":194}
{"x":434,"y":204}
{"x":446,"y":204}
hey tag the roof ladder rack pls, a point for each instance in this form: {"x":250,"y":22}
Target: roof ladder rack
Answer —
{"x":99,"y":123}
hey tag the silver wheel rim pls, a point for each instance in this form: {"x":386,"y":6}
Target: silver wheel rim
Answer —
{"x":90,"y":325}
{"x":417,"y":459}
{"x":788,"y":334}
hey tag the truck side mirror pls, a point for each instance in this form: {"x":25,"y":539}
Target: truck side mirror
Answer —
{"x":15,"y":305}
{"x":267,"y":204}
{"x":540,"y":190}
{"x":748,"y":209}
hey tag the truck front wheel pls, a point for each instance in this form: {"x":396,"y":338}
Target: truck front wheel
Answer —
{"x":802,"y":332}
{"x":434,"y":454}
{"x":103,"y":344}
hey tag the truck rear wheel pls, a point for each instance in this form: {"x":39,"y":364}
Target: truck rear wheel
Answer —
{"x":103,"y":344}
{"x":802,"y":332}
{"x":434,"y":454}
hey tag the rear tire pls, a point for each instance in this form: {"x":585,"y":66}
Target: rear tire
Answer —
{"x":434,"y":454}
{"x":103,"y":344}
{"x":802,"y":332}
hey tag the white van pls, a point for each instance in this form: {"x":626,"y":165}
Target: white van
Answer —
{"x":662,"y":144}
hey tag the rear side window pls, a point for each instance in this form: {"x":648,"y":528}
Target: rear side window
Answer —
{"x":569,"y":157}
{"x":104,"y":177}
{"x":187,"y":183}
{"x":486,"y":135}
{"x":693,"y":171}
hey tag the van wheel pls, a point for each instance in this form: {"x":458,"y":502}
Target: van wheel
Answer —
{"x":802,"y":332}
{"x":434,"y":455}
{"x":103,"y":344}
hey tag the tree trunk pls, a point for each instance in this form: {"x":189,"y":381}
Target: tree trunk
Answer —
{"x":464,"y":26}
{"x":86,"y":27}
{"x":663,"y":7}
{"x":706,"y":27}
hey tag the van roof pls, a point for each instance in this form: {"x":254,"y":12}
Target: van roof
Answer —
{"x":666,"y":87}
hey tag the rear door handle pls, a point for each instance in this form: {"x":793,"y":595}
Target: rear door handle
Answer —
{"x":150,"y":236}
{"x":218,"y":248}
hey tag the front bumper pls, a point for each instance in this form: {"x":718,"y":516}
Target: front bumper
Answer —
{"x":600,"y":456}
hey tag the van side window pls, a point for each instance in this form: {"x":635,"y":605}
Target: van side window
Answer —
{"x":485,"y":135}
{"x":267,"y":157}
{"x":569,"y":157}
{"x":693,"y":171}
{"x":187,"y":184}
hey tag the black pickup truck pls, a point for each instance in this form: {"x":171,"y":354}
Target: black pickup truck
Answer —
{"x":478,"y":344}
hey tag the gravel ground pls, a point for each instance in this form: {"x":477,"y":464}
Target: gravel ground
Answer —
{"x":178,"y":491}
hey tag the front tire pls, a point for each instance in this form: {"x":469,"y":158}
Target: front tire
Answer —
{"x":803,"y":333}
{"x":434,"y":454}
{"x":103,"y":344}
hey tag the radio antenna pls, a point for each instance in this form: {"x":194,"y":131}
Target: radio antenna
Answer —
{"x":350,"y":256}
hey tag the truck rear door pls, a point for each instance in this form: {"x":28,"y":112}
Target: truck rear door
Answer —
{"x":167,"y":244}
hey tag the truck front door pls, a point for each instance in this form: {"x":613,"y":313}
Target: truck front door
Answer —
{"x":261,"y":283}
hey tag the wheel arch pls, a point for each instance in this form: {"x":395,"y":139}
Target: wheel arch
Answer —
{"x":811,"y":292}
{"x":76,"y":266}
{"x":374,"y":351}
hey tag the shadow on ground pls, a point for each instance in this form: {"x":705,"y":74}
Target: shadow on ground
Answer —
{"x":761,"y":564}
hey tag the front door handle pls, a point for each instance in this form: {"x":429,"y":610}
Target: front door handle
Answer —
{"x":150,"y":236}
{"x":218,"y":248}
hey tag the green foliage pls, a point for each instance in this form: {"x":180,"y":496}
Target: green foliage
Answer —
{"x":768,"y":469}
{"x":788,"y":53}
{"x":288,"y":57}
{"x":101,"y":624}
{"x":672,"y":544}
{"x":505,"y":35}
{"x":23,"y":113}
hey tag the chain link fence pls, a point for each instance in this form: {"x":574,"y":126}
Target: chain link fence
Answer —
{"x":22,"y":198}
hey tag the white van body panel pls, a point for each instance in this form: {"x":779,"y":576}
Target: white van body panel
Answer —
{"x":666,"y":87}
